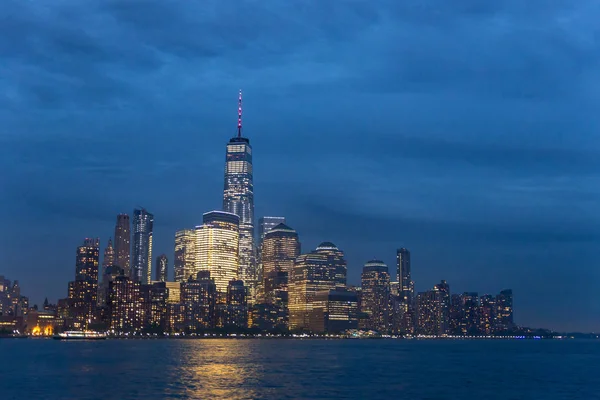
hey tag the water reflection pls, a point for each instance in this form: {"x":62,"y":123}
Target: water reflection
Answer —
{"x":216,"y":368}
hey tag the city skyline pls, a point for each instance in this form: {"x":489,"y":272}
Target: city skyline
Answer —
{"x":378,"y":130}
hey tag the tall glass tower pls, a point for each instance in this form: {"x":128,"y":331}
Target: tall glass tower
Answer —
{"x":143,"y":223}
{"x":238,"y":198}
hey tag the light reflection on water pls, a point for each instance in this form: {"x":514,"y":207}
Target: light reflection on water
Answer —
{"x":297,"y":369}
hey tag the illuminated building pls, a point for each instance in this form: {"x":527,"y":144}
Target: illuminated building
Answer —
{"x":161,"y":268}
{"x":123,"y":243}
{"x":443,"y":309}
{"x":141,"y":267}
{"x":470,"y":321}
{"x":320,"y":270}
{"x":217,"y":241}
{"x":109,"y":274}
{"x":376,"y":295}
{"x":405,"y":289}
{"x":199,"y":297}
{"x":265,"y":224}
{"x":109,"y":255}
{"x":238,"y":199}
{"x":504,"y":313}
{"x":336,"y":261}
{"x":456,"y":314}
{"x":83,"y":292}
{"x":154,"y":298}
{"x":280,"y":247}
{"x":334,"y":311}
{"x":235,"y":312}
{"x":42,"y":323}
{"x":487,"y":314}
{"x":174,"y":292}
{"x":11,"y":301}
{"x":125,"y":305}
{"x":185,"y":265}
{"x":268,"y":317}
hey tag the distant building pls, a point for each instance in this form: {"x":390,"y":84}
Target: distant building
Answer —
{"x":335,"y":311}
{"x":443,"y":288}
{"x":265,"y":224}
{"x":376,"y":295}
{"x":217,"y":241}
{"x":234,"y":313}
{"x":280,"y":247}
{"x":83,"y":291}
{"x":199,"y":298}
{"x":109,"y":274}
{"x":404,"y":275}
{"x":123,"y":243}
{"x":161,"y":268}
{"x":174,"y":292}
{"x":143,"y":225}
{"x":320,"y":270}
{"x":155,"y":299}
{"x":504,"y":304}
{"x":109,"y":255}
{"x":185,"y":265}
{"x":487,"y":314}
{"x":470,"y":322}
{"x":125,"y":305}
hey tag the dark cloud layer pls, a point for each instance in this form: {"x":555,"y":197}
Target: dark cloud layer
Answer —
{"x":464,"y":130}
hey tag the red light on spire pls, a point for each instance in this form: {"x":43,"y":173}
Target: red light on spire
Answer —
{"x":240,"y":115}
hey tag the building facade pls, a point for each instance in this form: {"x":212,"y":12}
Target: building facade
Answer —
{"x":217,"y":247}
{"x":83,"y":291}
{"x":161,"y":269}
{"x":185,"y":265}
{"x":143,"y":224}
{"x":281,"y":247}
{"x":123,"y":243}
{"x":376,"y":295}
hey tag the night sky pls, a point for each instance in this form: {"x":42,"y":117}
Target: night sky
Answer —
{"x":464,"y":130}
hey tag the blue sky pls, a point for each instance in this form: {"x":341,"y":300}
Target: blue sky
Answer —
{"x":463,"y":130}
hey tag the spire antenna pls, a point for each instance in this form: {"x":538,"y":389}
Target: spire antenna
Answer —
{"x":240,"y":115}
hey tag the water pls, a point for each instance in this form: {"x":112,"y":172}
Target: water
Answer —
{"x":299,"y":369}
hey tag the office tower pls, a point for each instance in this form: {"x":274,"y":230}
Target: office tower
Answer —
{"x":109,"y":255}
{"x":487,"y":314}
{"x":504,"y":304}
{"x":376,"y":295}
{"x":123,"y":243}
{"x":161,"y":268}
{"x":335,"y":311}
{"x":238,"y":198}
{"x":234,"y":313}
{"x":404,"y":276}
{"x":265,"y":224}
{"x":83,"y":292}
{"x":125,"y":305}
{"x":336,"y":262}
{"x":427,"y":306}
{"x":199,"y":297}
{"x":217,"y":246}
{"x":185,"y":265}
{"x":141,"y":266}
{"x":314,"y":272}
{"x":280,"y":247}
{"x":268,"y":317}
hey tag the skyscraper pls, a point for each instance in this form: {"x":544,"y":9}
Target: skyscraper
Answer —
{"x":109,"y":255}
{"x":123,"y":243}
{"x":185,"y":265}
{"x":143,"y":223}
{"x":217,"y":247}
{"x":376,"y":295}
{"x":313,"y":272}
{"x":504,"y":304}
{"x":238,"y":198}
{"x":280,"y":248}
{"x":265,"y":224}
{"x":161,"y":268}
{"x":83,"y":291}
{"x":405,"y":289}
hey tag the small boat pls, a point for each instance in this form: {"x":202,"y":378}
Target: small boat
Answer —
{"x":80,"y":335}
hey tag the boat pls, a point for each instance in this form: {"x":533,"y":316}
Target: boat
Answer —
{"x":80,"y":335}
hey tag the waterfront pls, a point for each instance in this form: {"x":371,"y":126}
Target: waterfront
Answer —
{"x":295,"y":369}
